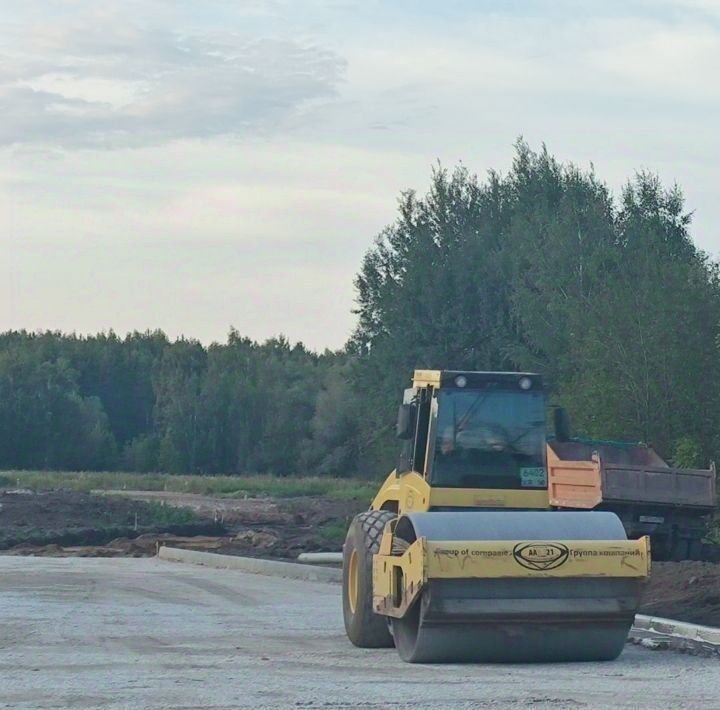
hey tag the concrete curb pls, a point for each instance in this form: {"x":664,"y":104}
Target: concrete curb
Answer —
{"x":321,"y":558}
{"x":708,"y":634}
{"x":287,"y":570}
{"x":658,"y":633}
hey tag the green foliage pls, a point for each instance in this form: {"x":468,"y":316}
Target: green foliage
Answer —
{"x":145,"y":404}
{"x":332,"y":446}
{"x":688,"y":454}
{"x":141,"y":454}
{"x":44,"y":418}
{"x":542,"y":270}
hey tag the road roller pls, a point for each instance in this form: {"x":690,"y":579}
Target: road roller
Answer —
{"x":460,"y":557}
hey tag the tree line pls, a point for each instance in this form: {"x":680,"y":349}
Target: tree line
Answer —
{"x":539,"y":269}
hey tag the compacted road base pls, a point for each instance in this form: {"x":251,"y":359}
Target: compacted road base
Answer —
{"x":143,"y":633}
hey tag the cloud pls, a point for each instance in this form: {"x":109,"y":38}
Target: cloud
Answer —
{"x":107,"y":86}
{"x":257,"y":146}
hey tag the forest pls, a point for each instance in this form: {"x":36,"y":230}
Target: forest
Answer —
{"x":540,"y":269}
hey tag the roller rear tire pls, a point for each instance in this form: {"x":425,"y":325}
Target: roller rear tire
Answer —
{"x":364,"y":627}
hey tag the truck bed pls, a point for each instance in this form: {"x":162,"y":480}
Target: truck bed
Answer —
{"x":667,"y":486}
{"x":583,"y":475}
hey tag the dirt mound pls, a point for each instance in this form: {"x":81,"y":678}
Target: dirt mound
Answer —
{"x":265,"y":527}
{"x":688,"y":591}
{"x":70,"y":518}
{"x":131,"y":523}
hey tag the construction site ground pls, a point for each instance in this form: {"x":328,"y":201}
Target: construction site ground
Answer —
{"x":143,"y":633}
{"x":259,"y":527}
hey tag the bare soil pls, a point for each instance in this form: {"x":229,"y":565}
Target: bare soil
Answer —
{"x":689,"y":591}
{"x":64,"y":523}
{"x":265,"y":527}
{"x":68,"y":518}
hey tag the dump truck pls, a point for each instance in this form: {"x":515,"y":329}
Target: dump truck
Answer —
{"x":671,"y":505}
{"x":460,"y":556}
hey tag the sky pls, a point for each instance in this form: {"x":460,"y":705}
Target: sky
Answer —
{"x":193,"y":166}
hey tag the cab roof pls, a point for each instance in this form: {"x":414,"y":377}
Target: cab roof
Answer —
{"x":473,"y":379}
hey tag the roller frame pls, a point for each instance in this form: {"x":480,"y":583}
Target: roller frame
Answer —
{"x":398,"y":580}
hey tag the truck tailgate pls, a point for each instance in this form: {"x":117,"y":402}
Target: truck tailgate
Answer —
{"x":665,"y":486}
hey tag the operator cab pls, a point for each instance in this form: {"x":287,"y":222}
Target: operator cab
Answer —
{"x":475,"y":429}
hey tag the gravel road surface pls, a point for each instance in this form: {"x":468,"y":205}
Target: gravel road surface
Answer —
{"x":141,"y":633}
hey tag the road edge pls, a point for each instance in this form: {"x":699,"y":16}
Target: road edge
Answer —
{"x":253,"y":565}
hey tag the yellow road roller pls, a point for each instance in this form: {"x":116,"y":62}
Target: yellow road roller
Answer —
{"x":461,"y":558}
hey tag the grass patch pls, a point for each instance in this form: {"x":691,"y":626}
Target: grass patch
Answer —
{"x":333,"y":532}
{"x":157,"y":514}
{"x":358,"y":491}
{"x":713,"y":532}
{"x":232,"y":486}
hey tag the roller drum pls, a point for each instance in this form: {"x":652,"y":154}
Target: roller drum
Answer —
{"x":520,"y":619}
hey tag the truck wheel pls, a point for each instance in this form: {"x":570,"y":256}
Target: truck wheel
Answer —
{"x":364,"y":627}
